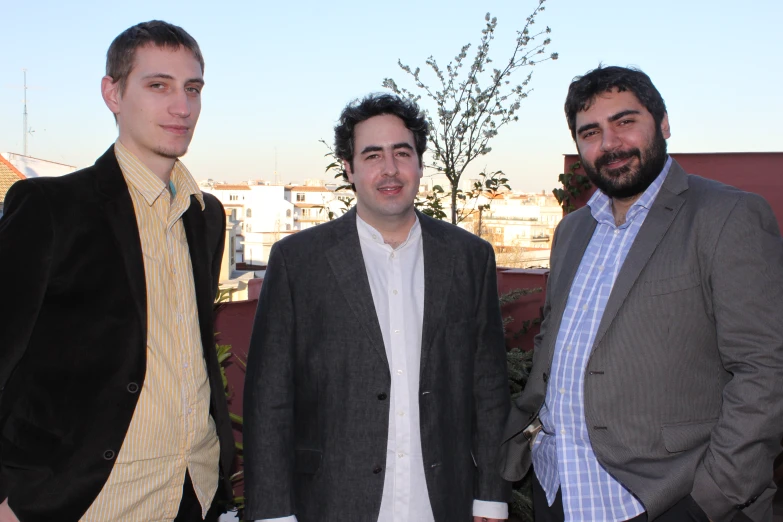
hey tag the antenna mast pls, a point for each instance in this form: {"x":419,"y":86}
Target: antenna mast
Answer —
{"x":24,"y":115}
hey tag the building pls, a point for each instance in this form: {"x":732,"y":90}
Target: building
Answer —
{"x":36,"y":167}
{"x":8,"y":176}
{"x":262,"y":212}
{"x":313,"y":203}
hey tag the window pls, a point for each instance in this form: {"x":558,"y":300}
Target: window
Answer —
{"x":288,"y":213}
{"x":299,"y":196}
{"x":288,"y":226}
{"x":248,"y":213}
{"x":305,"y":212}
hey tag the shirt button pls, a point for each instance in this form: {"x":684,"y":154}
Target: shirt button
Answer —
{"x":190,"y":411}
{"x":616,"y":232}
{"x":108,"y":454}
{"x":185,"y":365}
{"x":568,"y":348}
{"x":400,"y":455}
{"x":392,"y":255}
{"x":394,"y":292}
{"x":401,"y":413}
{"x":562,"y":432}
{"x":584,"y":308}
{"x":174,"y":270}
{"x":396,"y":331}
{"x":374,"y":236}
{"x":132,"y":387}
{"x":601,"y":268}
{"x":399,"y":372}
{"x":377,"y":469}
{"x":562,"y":391}
{"x":382,"y":396}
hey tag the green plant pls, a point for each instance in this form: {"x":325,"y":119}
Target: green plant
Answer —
{"x":223,"y":355}
{"x":573,"y":185}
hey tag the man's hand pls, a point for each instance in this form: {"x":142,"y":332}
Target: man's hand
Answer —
{"x":475,"y":519}
{"x":6,"y":515}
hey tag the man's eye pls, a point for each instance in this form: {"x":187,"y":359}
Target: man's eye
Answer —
{"x":194,"y":90}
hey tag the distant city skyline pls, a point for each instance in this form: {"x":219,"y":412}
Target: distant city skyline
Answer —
{"x":278,"y":75}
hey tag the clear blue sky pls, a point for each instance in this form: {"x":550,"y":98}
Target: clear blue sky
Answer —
{"x":278,"y":73}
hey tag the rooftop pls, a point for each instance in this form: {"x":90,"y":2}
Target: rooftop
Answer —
{"x":8,"y":176}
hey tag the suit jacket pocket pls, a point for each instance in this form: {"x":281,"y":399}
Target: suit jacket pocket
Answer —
{"x":686,"y":435}
{"x":308,"y":461}
{"x":672,"y":284}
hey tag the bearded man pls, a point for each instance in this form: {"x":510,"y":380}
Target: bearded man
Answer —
{"x":658,"y":374}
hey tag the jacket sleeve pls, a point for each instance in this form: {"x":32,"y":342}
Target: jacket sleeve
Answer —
{"x":746,"y":283}
{"x":26,"y":246}
{"x":26,"y":249}
{"x":269,"y":398}
{"x":515,"y":455}
{"x":490,"y":388}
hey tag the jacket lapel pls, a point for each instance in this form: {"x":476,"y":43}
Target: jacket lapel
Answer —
{"x":438,"y":271}
{"x":347,"y":263}
{"x":658,"y":220}
{"x":195,"y":231}
{"x":576,"y":245}
{"x":118,"y":206}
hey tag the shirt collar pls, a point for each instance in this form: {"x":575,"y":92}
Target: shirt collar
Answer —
{"x":369,"y":233}
{"x":151,"y":186}
{"x":601,"y":205}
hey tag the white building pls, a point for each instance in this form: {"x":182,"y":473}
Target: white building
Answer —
{"x":36,"y":167}
{"x":312,"y":203}
{"x":263,"y":213}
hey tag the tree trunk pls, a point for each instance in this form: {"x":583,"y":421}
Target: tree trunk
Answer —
{"x":454,"y":185}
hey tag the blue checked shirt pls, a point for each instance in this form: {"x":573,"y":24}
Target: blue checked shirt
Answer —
{"x":562,"y":455}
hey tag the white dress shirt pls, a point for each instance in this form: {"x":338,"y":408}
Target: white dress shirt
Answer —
{"x":396,"y":277}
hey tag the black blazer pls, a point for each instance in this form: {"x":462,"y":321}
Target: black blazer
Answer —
{"x":73,"y":334}
{"x":318,"y":381}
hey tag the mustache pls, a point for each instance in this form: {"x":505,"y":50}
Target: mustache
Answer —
{"x":618,"y":155}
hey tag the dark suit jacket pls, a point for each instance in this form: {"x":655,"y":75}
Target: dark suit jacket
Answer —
{"x":73,"y":334}
{"x":684,"y":387}
{"x":316,"y":394}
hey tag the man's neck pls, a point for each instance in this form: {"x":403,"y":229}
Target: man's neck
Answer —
{"x":158,"y":165}
{"x":394,"y":230}
{"x":620,"y":207}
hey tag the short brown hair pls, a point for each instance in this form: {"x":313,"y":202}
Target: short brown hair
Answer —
{"x":122,"y":51}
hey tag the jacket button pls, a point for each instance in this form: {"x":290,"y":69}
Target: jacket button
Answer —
{"x":108,"y":454}
{"x":132,"y":387}
{"x":382,"y":396}
{"x":377,"y":469}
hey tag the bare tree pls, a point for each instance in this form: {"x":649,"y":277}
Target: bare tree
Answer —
{"x":470,"y":111}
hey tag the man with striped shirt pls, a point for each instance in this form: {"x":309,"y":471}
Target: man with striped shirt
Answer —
{"x":657,"y":385}
{"x":113,"y":406}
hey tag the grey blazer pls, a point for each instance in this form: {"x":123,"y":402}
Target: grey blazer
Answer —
{"x":318,"y":382}
{"x":684,"y":387}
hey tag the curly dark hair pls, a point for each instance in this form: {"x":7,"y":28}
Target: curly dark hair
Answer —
{"x":375,"y":105}
{"x":584,"y":89}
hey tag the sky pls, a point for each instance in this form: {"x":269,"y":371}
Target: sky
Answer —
{"x":278,"y":74}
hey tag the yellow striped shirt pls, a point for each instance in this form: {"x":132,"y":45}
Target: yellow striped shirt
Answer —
{"x":171,"y":429}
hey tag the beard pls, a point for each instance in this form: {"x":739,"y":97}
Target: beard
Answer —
{"x":627,"y":181}
{"x":171,"y":153}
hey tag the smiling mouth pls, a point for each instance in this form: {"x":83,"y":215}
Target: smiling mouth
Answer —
{"x":392,"y":191}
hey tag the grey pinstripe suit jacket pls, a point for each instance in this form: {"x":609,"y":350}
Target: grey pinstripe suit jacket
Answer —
{"x":684,"y":387}
{"x":318,"y":380}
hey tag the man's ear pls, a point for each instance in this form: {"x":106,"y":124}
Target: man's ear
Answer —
{"x":110,"y":90}
{"x":348,"y":171}
{"x":665,"y":129}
